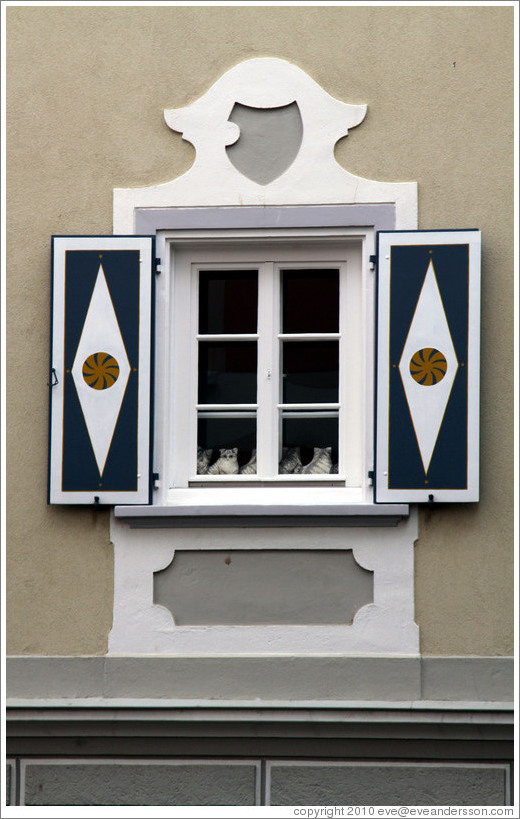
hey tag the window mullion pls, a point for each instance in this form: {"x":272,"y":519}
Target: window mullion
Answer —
{"x":351,"y":369}
{"x":192,"y":383}
{"x":268,"y":371}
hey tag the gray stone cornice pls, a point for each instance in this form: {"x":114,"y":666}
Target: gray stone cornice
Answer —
{"x":407,"y":683}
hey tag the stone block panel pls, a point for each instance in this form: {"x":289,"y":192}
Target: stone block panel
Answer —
{"x":329,"y":783}
{"x":118,"y":782}
{"x":10,"y":778}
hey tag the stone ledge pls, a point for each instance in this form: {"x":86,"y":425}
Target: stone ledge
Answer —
{"x":312,"y":680}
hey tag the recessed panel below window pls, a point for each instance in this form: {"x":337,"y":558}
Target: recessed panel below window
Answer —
{"x":226,"y":446}
{"x":227,"y":372}
{"x":262,"y":587}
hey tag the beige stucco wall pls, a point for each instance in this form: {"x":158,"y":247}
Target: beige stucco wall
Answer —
{"x":86,"y":88}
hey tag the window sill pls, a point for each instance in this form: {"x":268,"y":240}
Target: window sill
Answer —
{"x":301,"y":507}
{"x":279,"y":482}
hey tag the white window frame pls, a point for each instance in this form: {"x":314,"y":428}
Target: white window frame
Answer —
{"x":174,"y":448}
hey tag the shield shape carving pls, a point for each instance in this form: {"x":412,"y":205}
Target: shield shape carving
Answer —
{"x":269,"y":140}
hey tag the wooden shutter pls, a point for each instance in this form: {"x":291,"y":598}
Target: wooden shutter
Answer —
{"x":427,"y":384}
{"x":101,"y":369}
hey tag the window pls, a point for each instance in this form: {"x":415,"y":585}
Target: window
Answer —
{"x":264,"y":365}
{"x":267,"y":353}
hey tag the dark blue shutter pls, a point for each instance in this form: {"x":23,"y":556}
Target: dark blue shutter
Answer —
{"x":427,"y":383}
{"x":101,"y":370}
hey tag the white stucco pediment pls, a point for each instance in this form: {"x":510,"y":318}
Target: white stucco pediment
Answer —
{"x":312,"y":177}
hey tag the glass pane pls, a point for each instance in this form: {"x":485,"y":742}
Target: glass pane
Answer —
{"x":227,"y":372}
{"x":310,"y":300}
{"x":228,"y":301}
{"x":309,"y":445}
{"x":310,"y":372}
{"x":226,"y":446}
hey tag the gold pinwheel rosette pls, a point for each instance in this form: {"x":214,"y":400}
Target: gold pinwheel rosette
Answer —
{"x":428,"y":366}
{"x":100,"y":371}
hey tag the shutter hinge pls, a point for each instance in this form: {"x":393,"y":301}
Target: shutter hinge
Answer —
{"x":54,"y":379}
{"x":371,"y":477}
{"x":372,"y":262}
{"x":155,"y":477}
{"x":158,"y":263}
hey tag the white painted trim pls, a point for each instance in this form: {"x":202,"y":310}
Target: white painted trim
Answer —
{"x":178,"y":449}
{"x":444,"y":711}
{"x":299,"y":502}
{"x":166,"y":762}
{"x":403,"y":763}
{"x":185,"y":226}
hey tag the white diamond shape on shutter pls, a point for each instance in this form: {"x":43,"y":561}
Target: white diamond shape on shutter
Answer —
{"x":428,"y":396}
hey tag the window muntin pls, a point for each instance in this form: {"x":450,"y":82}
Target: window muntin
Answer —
{"x":308,"y":309}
